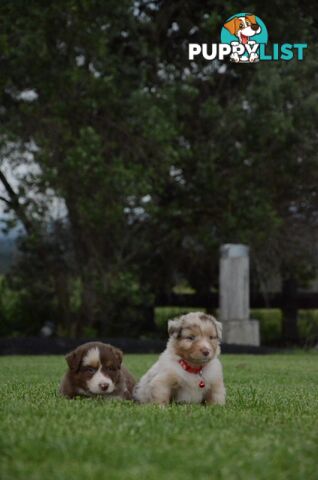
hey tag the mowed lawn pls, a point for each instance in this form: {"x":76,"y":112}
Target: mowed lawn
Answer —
{"x":267,"y":430}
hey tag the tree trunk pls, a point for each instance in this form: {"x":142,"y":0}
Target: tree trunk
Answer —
{"x":289,"y":311}
{"x":88,"y":315}
{"x":149,"y":325}
{"x":86,"y":270}
{"x":62,"y":291}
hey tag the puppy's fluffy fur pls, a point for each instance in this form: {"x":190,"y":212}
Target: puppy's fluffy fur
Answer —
{"x":95,"y":368}
{"x":194,"y":338}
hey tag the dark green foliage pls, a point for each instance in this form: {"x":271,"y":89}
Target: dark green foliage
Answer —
{"x":157,"y":161}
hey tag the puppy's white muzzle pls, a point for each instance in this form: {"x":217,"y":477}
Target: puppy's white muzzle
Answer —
{"x":100,"y":384}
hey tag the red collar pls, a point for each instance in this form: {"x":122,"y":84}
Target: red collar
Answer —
{"x":187,"y":367}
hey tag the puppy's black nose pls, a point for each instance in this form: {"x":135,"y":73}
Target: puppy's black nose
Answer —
{"x":103,"y":386}
{"x":254,"y":27}
{"x":205,"y":352}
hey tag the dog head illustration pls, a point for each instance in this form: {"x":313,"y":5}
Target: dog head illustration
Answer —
{"x":243,"y":27}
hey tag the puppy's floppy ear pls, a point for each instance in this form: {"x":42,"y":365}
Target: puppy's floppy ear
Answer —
{"x":218,"y":325}
{"x":74,"y":358}
{"x":174,"y":327}
{"x":231,"y":26}
{"x":118,"y":355}
{"x":251,"y":18}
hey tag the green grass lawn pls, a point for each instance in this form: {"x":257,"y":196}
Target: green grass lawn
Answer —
{"x":267,"y":430}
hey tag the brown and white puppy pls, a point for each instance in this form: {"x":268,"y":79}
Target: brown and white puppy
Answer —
{"x":188,"y":371}
{"x":96,"y":368}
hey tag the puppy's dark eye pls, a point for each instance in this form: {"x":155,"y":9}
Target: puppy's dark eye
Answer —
{"x":91,"y":369}
{"x":111,"y":369}
{"x":212,"y":338}
{"x":241,"y":25}
{"x":190,"y":337}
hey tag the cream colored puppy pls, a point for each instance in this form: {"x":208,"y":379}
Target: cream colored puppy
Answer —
{"x":188,"y":371}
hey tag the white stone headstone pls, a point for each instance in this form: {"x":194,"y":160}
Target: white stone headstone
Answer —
{"x":235,"y":297}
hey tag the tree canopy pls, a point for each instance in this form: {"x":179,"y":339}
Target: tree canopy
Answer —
{"x":155,"y":160}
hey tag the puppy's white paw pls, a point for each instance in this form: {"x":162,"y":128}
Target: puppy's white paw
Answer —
{"x":218,"y":399}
